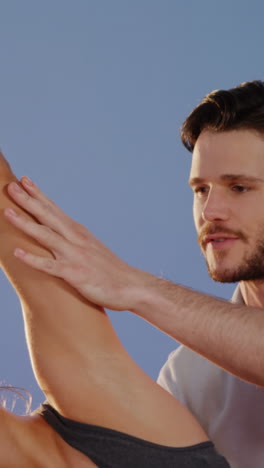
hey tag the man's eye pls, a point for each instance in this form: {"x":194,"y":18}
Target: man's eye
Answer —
{"x":201,"y":190}
{"x":239,"y":188}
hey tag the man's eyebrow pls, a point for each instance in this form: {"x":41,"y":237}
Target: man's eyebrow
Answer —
{"x":196,"y":181}
{"x":228,"y":177}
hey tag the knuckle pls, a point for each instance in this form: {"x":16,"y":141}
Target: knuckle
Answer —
{"x":45,"y":207}
{"x":44,"y":233}
{"x":26,"y":196}
{"x":46,"y":230}
{"x":48,"y":264}
{"x":81,"y":232}
{"x":81,"y":254}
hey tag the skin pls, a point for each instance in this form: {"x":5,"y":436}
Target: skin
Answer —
{"x":228,"y":188}
{"x":22,"y":445}
{"x":67,"y":335}
{"x":212,"y":327}
{"x":21,"y":437}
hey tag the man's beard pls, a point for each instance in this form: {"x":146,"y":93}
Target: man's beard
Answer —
{"x":251,"y":266}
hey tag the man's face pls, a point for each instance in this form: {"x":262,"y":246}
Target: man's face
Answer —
{"x":227,"y":177}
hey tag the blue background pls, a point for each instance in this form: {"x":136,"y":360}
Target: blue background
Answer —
{"x":92,"y":96}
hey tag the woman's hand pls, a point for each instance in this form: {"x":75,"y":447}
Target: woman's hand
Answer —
{"x":79,"y":258}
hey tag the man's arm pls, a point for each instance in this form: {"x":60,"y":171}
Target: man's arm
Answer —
{"x":230,"y":335}
{"x":78,"y":359}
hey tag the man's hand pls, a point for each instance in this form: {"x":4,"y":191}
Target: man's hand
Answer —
{"x":79,"y":258}
{"x":205,"y":324}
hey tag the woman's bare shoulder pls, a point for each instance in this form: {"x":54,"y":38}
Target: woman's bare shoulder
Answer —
{"x":29,"y":441}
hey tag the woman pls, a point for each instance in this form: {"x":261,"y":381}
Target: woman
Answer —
{"x":102,"y":409}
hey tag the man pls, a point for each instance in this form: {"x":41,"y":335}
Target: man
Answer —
{"x":226,"y":134}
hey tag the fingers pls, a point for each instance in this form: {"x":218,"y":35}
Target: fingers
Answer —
{"x":34,"y":190}
{"x":44,"y":235}
{"x":47,"y":265}
{"x":44,"y":210}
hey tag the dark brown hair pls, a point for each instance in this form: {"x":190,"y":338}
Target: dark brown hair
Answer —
{"x":239,"y":107}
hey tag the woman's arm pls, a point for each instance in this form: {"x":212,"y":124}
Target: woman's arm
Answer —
{"x":77,"y":358}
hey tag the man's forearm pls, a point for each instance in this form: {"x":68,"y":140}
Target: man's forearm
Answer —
{"x":230,"y":335}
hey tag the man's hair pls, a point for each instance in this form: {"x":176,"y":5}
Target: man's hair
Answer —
{"x":220,"y":110}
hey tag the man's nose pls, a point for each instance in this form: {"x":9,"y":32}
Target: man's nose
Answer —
{"x":216,"y":207}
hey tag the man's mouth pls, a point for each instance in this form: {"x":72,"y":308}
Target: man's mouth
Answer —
{"x":218,"y":240}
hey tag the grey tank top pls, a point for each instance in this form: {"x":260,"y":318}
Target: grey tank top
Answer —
{"x":108,"y":448}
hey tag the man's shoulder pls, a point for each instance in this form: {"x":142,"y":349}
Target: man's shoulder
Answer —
{"x":185,"y":370}
{"x":183,"y":357}
{"x":185,"y":364}
{"x":182,"y":352}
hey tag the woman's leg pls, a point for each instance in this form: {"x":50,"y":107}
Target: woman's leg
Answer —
{"x":77,"y":358}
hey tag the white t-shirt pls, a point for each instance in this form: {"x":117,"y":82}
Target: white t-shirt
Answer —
{"x":230,"y":410}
